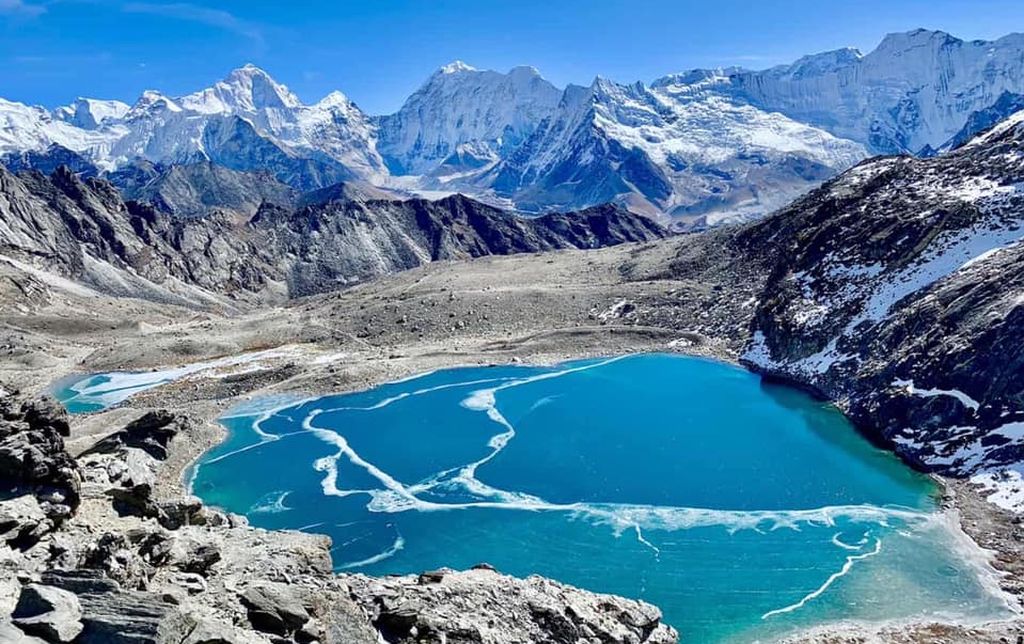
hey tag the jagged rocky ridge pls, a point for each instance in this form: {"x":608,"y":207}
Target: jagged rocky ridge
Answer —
{"x":84,"y":231}
{"x":699,"y":161}
{"x":123,"y":565}
{"x":896,"y":290}
{"x":199,"y":188}
{"x":698,"y":147}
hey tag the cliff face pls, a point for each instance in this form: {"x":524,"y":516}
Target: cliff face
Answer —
{"x":464,"y":118}
{"x":896,"y":290}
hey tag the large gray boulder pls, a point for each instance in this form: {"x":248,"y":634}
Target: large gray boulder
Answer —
{"x":33,"y":461}
{"x":23,"y":521}
{"x":274,"y":608}
{"x":11,"y":634}
{"x":112,"y":615}
{"x":51,"y":613}
{"x":486,"y":607}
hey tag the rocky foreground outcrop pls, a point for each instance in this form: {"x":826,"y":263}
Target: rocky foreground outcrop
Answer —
{"x":448,"y":606}
{"x":40,"y":482}
{"x":89,"y":554}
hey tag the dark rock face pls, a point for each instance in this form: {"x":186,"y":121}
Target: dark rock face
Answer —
{"x":83,"y":230}
{"x":345,"y":191}
{"x":895,"y":290}
{"x":592,"y":168}
{"x":194,"y":190}
{"x":48,"y":161}
{"x":342,"y":242}
{"x":40,"y":481}
{"x":151,"y":433}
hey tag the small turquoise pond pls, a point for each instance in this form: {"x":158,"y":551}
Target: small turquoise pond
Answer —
{"x":743,"y":509}
{"x":86,"y":394}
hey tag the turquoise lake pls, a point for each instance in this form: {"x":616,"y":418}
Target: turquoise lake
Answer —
{"x":742,"y":509}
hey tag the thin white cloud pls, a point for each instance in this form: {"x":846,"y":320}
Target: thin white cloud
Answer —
{"x":20,"y":8}
{"x":198,"y":14}
{"x":63,"y":59}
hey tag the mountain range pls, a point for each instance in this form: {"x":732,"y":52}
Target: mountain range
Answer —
{"x":694,"y":148}
{"x":69,"y":228}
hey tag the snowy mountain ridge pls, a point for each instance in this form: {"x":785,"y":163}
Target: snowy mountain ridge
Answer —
{"x":697,"y":147}
{"x":702,"y":160}
{"x":916,"y":89}
{"x":463,"y":118}
{"x":89,"y":113}
{"x":243,"y":122}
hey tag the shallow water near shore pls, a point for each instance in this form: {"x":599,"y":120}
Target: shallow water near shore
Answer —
{"x":86,"y":393}
{"x":742,"y":509}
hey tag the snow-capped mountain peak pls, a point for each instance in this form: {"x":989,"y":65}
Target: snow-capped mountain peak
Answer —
{"x":464,"y":118}
{"x":334,"y":99}
{"x":914,"y":91}
{"x":90,"y":113}
{"x":525,"y":73}
{"x":697,"y":78}
{"x":600,"y":84}
{"x":149,"y":102}
{"x":824,"y":63}
{"x":902,"y":41}
{"x":455,"y":67}
{"x":606,"y":87}
{"x":247,"y":89}
{"x":247,"y":121}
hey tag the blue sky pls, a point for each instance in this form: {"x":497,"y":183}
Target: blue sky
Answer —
{"x":378,"y":52}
